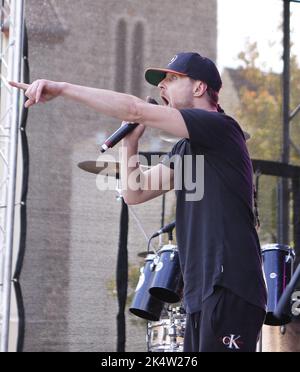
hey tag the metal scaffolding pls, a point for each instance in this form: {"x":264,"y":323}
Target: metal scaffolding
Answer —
{"x":12,"y":26}
{"x":287,"y":142}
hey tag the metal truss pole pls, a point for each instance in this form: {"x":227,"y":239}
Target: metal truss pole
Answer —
{"x":284,"y":197}
{"x":10,"y":124}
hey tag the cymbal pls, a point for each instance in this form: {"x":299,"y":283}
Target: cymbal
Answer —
{"x":106,"y":167}
{"x":96,"y":167}
{"x":167,"y":137}
{"x":173,"y":139}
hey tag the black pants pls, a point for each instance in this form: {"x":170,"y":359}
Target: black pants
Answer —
{"x":226,"y":323}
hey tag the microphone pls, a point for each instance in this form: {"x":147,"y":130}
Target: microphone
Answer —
{"x":164,"y":230}
{"x":122,"y":132}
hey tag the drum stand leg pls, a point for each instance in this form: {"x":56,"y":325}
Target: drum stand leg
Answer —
{"x":148,"y":337}
{"x":260,"y":343}
{"x":283,"y":330}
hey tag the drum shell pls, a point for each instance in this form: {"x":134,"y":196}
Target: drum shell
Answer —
{"x":144,"y":305}
{"x":167,"y":335}
{"x":167,"y":284}
{"x":278,"y":262}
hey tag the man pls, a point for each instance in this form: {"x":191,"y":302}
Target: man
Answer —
{"x":224,"y":288}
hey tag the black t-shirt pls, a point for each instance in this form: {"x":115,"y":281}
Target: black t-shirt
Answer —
{"x":217,"y":240}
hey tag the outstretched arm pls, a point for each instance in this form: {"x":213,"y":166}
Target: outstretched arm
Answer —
{"x":118,"y":105}
{"x":123,"y":107}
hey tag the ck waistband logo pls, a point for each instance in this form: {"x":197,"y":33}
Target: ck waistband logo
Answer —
{"x":232,"y":342}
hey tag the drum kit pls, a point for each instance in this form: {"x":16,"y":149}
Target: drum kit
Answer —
{"x":159,"y":291}
{"x":167,"y":334}
{"x":160,"y":284}
{"x":160,"y":287}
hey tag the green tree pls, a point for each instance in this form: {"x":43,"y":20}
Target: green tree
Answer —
{"x":260,"y":110}
{"x":260,"y":113}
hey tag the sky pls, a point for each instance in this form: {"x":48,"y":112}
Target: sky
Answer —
{"x":242,"y":21}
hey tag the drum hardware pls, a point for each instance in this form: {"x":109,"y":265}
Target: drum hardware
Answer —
{"x":278,"y":262}
{"x":288,"y":294}
{"x":167,"y":282}
{"x":167,"y":335}
{"x":155,"y":262}
{"x":144,"y":254}
{"x":144,"y":304}
{"x":172,"y":257}
{"x":106,"y":167}
{"x":259,"y":348}
{"x":283,"y":330}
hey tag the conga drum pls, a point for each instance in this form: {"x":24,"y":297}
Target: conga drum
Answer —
{"x":167,"y":284}
{"x":144,"y":305}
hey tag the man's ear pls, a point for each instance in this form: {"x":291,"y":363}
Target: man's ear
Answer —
{"x":200,"y":88}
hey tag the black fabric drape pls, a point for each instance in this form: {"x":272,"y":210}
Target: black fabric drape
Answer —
{"x":23,"y":212}
{"x":122,"y":277}
{"x":25,"y":157}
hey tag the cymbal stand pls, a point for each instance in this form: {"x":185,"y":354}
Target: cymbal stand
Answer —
{"x":163,"y":212}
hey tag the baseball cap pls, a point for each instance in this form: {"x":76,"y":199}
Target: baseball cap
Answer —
{"x":192,"y":65}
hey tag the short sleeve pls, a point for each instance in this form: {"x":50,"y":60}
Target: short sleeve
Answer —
{"x":206,"y":129}
{"x":169,"y":159}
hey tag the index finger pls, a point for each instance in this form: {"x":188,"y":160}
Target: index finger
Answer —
{"x":19,"y":85}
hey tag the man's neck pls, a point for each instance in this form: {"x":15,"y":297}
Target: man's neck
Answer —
{"x":204,"y":105}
